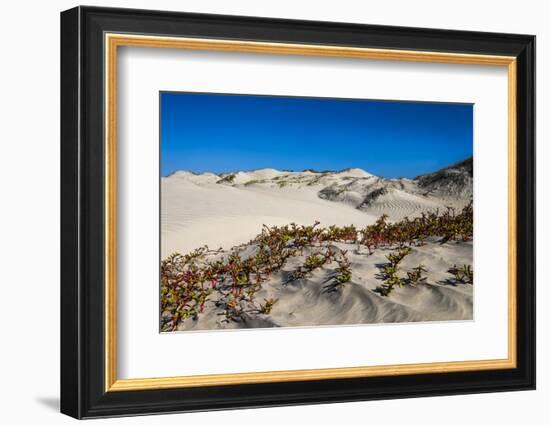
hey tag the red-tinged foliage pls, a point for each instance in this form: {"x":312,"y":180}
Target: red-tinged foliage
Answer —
{"x":189,"y":281}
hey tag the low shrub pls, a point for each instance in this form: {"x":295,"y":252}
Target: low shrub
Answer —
{"x":464,"y":274}
{"x":189,"y":281}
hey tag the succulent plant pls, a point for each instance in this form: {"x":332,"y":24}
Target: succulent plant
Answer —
{"x":415,"y":276}
{"x":188,"y":281}
{"x":268,"y":305}
{"x":464,"y":274}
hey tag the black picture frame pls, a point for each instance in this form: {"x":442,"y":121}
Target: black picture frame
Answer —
{"x":83,"y":392}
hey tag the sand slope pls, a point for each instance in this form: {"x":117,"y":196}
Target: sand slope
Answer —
{"x":307,"y":302}
{"x":230,"y":209}
{"x":194,"y":214}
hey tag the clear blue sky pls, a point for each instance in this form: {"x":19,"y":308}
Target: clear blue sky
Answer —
{"x":219,"y":133}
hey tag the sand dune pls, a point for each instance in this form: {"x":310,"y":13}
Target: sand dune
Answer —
{"x":307,"y":302}
{"x":398,"y":204}
{"x":197,"y":213}
{"x":228,"y":210}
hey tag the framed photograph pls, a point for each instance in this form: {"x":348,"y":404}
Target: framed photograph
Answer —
{"x":261,"y":212}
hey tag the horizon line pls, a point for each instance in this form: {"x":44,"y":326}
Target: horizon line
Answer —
{"x":312,"y":170}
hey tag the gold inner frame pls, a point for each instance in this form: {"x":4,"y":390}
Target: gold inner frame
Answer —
{"x":113,"y":41}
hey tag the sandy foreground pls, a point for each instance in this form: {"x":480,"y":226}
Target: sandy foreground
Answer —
{"x":197,"y":210}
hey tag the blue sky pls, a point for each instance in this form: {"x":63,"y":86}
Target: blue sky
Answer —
{"x":219,"y":133}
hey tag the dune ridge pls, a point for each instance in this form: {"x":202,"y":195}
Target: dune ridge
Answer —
{"x":226,"y":212}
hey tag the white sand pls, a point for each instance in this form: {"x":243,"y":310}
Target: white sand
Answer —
{"x":195,"y":210}
{"x":398,"y":204}
{"x":306,"y":302}
{"x":218,"y":215}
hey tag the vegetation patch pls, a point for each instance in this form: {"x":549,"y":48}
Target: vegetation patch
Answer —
{"x":229,"y":179}
{"x":231,"y":281}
